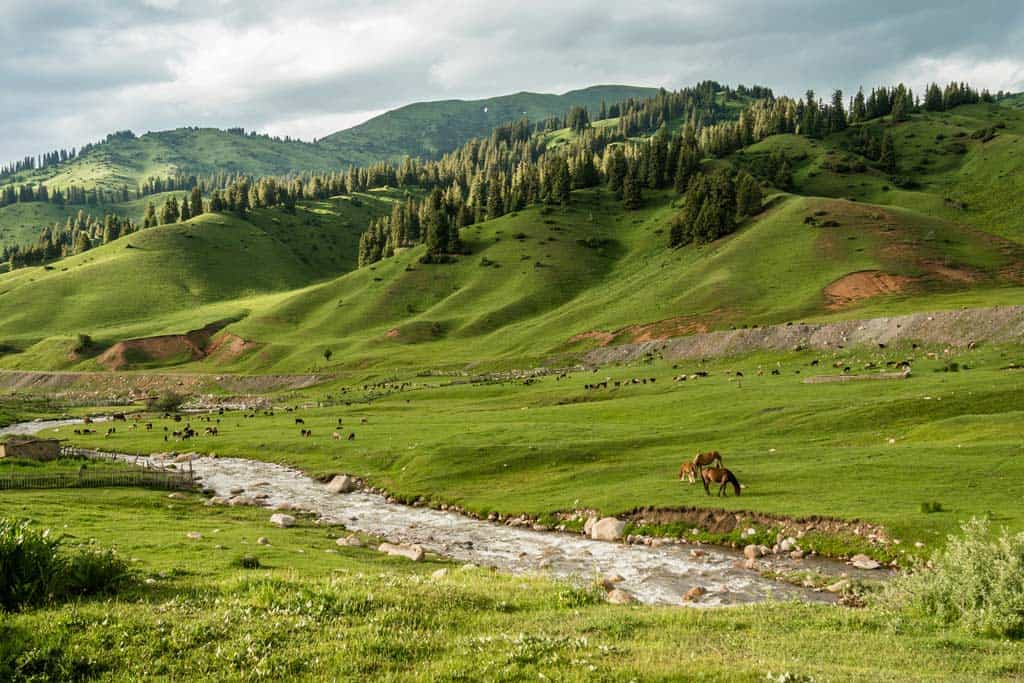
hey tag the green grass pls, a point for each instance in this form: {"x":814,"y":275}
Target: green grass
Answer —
{"x":801,"y":449}
{"x":315,"y":610}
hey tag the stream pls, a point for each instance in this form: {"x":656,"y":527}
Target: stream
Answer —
{"x":653,"y":575}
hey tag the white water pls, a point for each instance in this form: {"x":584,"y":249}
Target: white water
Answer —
{"x":652,"y":575}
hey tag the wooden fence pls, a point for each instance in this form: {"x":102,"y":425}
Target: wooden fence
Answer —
{"x":145,"y":476}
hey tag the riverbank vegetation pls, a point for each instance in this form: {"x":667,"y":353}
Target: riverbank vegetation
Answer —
{"x":315,"y":609}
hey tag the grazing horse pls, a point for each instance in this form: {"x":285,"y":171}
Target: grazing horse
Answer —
{"x":705,"y":459}
{"x":686,"y":471}
{"x":720,"y":476}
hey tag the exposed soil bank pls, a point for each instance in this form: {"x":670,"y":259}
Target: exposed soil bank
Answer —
{"x":998,"y":325}
{"x":118,"y":387}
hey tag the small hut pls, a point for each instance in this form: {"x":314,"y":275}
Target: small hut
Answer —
{"x":33,"y":449}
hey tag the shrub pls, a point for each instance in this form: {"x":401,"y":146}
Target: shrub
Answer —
{"x":977,"y":582}
{"x":34,"y":569}
{"x":165,"y":402}
{"x":246,"y":562}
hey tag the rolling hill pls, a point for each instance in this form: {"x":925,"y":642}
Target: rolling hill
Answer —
{"x":844,"y":241}
{"x":425,"y":129}
{"x":429,"y":129}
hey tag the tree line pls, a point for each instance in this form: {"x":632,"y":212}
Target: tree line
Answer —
{"x":76,"y":235}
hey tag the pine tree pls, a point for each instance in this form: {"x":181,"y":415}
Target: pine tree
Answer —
{"x":748,"y":195}
{"x":837,"y":117}
{"x":184,"y":212}
{"x":887,"y":156}
{"x":632,"y":194}
{"x":858,"y":112}
{"x":196,"y":209}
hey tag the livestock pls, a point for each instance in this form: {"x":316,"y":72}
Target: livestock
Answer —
{"x":686,"y":471}
{"x":705,"y":459}
{"x":720,"y":476}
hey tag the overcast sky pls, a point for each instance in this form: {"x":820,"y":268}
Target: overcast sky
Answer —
{"x":73,"y":70}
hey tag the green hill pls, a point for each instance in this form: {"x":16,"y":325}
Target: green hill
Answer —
{"x":429,"y":129}
{"x":426,"y":129}
{"x":845,"y":241}
{"x":160,"y":280}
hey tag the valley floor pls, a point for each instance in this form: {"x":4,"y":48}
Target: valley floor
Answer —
{"x":314,"y":610}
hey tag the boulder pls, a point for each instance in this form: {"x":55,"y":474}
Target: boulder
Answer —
{"x":184,"y":457}
{"x":752,"y":552}
{"x":194,"y":535}
{"x":864,"y":562}
{"x":177,"y":495}
{"x":439,"y":574}
{"x":608,"y":582}
{"x":352,"y":541}
{"x":588,"y":525}
{"x":263,"y":540}
{"x":413,"y":552}
{"x":341,"y":484}
{"x":697,"y":552}
{"x":607,"y":529}
{"x":838,"y":586}
{"x":283,"y":507}
{"x":788,"y":545}
{"x":694,"y":593}
{"x":282,"y":520}
{"x":617,"y":596}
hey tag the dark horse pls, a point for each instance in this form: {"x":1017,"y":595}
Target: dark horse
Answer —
{"x":720,"y":476}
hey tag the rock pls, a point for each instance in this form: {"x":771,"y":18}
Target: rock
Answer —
{"x":609,"y":581}
{"x":150,"y":582}
{"x":797,"y":554}
{"x":617,"y":596}
{"x":750,"y":563}
{"x":263,"y":540}
{"x":607,"y":529}
{"x":588,"y":525}
{"x":439,"y":574}
{"x":194,"y":535}
{"x":283,"y":507}
{"x":752,"y":552}
{"x":413,"y":552}
{"x":468,"y":567}
{"x":864,"y":562}
{"x":788,"y":545}
{"x":237,"y":491}
{"x":341,"y":484}
{"x":750,"y":531}
{"x":217,"y":500}
{"x":352,"y":541}
{"x":697,"y":552}
{"x":184,"y":457}
{"x":177,"y":495}
{"x":694,"y":593}
{"x":282,"y":520}
{"x":241,"y":501}
{"x":838,"y":586}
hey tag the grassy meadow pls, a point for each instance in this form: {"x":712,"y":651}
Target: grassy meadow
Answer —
{"x":313,"y":610}
{"x":871,"y":450}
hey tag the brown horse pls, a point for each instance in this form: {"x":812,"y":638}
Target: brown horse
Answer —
{"x":687,"y":471}
{"x":720,"y":476}
{"x":705,"y":459}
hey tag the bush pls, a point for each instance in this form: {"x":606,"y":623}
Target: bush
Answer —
{"x":165,"y":402}
{"x":35,"y":570}
{"x":246,"y":562}
{"x":977,"y":583}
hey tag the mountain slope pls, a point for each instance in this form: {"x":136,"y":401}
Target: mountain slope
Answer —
{"x":430,"y":129}
{"x":426,"y":129}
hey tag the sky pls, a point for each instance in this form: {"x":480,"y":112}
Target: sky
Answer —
{"x":73,"y":70}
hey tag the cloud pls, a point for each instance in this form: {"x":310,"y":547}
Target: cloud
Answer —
{"x":73,"y":70}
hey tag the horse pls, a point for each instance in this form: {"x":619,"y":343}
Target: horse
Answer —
{"x":686,"y":471}
{"x":720,"y":476}
{"x":705,"y":459}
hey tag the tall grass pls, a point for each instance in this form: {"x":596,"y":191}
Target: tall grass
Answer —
{"x":35,"y":569}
